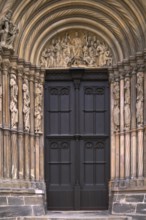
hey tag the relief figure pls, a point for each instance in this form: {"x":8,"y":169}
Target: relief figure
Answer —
{"x":76,"y":48}
{"x":116,"y":110}
{"x":139,"y":99}
{"x":38,"y":108}
{"x":13,"y":101}
{"x":127,"y":113}
{"x":26,"y":105}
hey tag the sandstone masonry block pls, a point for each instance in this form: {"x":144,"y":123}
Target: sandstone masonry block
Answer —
{"x":15,"y":201}
{"x":3,"y":201}
{"x":134,"y":198}
{"x":124,"y":208}
{"x":33,"y":200}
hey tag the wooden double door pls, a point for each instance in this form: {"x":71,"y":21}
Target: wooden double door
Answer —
{"x":77,"y":140}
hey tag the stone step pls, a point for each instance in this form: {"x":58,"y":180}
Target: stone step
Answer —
{"x":109,"y":217}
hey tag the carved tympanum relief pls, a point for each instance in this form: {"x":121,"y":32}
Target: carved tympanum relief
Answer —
{"x":127,"y":113}
{"x":13,"y":101}
{"x":116,"y":109}
{"x":139,"y":99}
{"x":38,"y":108}
{"x":76,"y":48}
{"x":26,"y":105}
{"x":8,"y":31}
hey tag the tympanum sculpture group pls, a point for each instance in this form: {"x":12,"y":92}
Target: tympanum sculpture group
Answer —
{"x":76,"y":48}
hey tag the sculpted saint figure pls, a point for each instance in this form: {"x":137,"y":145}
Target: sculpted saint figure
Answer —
{"x":127,"y":103}
{"x":26,"y":105}
{"x":13,"y":102}
{"x":139,"y":99}
{"x":0,"y":97}
{"x":38,"y":108}
{"x":116,"y":110}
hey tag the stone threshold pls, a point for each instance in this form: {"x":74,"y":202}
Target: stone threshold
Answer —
{"x":73,"y":215}
{"x":73,"y":218}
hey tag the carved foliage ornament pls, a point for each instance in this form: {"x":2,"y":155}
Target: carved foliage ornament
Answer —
{"x":13,"y":101}
{"x":76,"y":48}
{"x":8,"y":31}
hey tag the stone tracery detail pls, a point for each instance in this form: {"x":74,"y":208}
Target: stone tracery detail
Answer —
{"x":8,"y":31}
{"x":116,"y":109}
{"x":127,"y":103}
{"x":38,"y":108}
{"x":26,"y":105}
{"x":78,"y":48}
{"x":139,"y":99}
{"x":13,"y":102}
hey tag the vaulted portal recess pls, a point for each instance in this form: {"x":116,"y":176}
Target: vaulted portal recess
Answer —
{"x":77,"y":145}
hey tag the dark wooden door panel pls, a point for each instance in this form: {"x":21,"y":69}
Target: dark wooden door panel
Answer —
{"x":77,"y":142}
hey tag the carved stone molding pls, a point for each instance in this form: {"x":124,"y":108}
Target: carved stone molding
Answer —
{"x":76,"y":48}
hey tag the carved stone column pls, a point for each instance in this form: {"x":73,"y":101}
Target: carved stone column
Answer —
{"x":6,"y":115}
{"x":145,"y":113}
{"x":133,"y":119}
{"x":122,"y":144}
{"x":116,"y":119}
{"x":37,"y":139}
{"x":139,"y":113}
{"x":1,"y":121}
{"x":32,"y":109}
{"x":26,"y":119}
{"x":42,"y":126}
{"x":127,"y":120}
{"x":14,"y":116}
{"x":20,"y":120}
{"x":113,"y":147}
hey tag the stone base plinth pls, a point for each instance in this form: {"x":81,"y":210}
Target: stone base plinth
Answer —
{"x":24,"y":201}
{"x":129,"y":202}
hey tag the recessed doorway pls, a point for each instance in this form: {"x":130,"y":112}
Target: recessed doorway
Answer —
{"x":77,"y":145}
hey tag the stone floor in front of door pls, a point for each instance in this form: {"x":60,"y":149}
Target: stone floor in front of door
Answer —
{"x":77,"y":215}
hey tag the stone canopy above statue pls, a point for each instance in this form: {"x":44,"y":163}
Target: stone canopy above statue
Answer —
{"x":76,"y":48}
